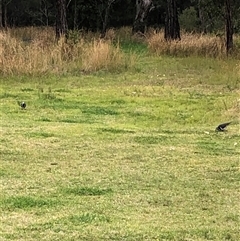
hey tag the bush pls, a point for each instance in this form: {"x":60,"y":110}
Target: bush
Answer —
{"x":188,"y":19}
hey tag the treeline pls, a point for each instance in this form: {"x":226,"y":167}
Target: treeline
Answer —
{"x":95,"y":15}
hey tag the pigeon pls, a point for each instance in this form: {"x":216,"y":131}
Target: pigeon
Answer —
{"x":222,"y":127}
{"x":22,"y":104}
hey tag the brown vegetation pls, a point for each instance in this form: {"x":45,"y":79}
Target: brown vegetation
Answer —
{"x":35,"y":50}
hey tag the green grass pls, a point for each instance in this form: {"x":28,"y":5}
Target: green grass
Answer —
{"x":122,"y":156}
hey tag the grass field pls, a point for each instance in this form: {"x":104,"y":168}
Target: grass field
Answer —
{"x":129,"y":155}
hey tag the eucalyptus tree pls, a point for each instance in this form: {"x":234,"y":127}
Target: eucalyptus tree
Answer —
{"x":172,"y":27}
{"x":143,"y":7}
{"x":3,"y":12}
{"x":1,"y":16}
{"x":229,"y":26}
{"x":217,"y":15}
{"x":61,"y":18}
{"x":106,"y":16}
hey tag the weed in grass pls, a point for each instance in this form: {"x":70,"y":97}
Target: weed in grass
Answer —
{"x":8,"y":95}
{"x":98,"y":110}
{"x":118,"y":102}
{"x":115,"y":131}
{"x":45,"y":119}
{"x":152,"y":139}
{"x":12,"y":155}
{"x":27,"y":89}
{"x":63,"y":90}
{"x":8,"y":174}
{"x":39,"y":134}
{"x":46,"y":96}
{"x":87,"y":218}
{"x":74,"y":120}
{"x":25,"y":202}
{"x":88,"y":191}
{"x":217,"y":146}
{"x":232,"y":217}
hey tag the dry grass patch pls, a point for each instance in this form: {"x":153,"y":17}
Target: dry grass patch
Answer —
{"x":100,"y":54}
{"x":190,"y":44}
{"x":35,"y":57}
{"x":35,"y":53}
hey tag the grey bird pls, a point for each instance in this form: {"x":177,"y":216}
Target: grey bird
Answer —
{"x":222,"y":127}
{"x":22,"y":104}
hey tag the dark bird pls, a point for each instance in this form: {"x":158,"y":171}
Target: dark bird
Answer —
{"x":22,"y":104}
{"x":222,"y":127}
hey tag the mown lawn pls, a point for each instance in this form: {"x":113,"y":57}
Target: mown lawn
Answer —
{"x":122,"y":156}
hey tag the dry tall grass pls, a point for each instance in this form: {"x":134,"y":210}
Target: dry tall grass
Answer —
{"x":101,"y":54}
{"x":36,"y":52}
{"x":30,"y":55}
{"x":190,"y":45}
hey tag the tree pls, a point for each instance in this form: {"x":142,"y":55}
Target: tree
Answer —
{"x":106,"y":17}
{"x":3,"y":13}
{"x":75,"y":15}
{"x":201,"y":16}
{"x":1,"y":16}
{"x":143,"y":7}
{"x":172,"y":27}
{"x":229,"y":26}
{"x":61,"y":18}
{"x":45,"y":12}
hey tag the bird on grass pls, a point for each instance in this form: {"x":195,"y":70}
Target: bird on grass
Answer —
{"x":222,"y":127}
{"x":22,"y":104}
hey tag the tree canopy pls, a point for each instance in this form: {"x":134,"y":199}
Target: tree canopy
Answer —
{"x":194,"y":15}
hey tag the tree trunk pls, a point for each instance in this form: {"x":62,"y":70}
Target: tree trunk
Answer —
{"x":229,"y":26}
{"x":172,"y":27}
{"x":75,"y":17}
{"x":143,"y":7}
{"x":61,"y":19}
{"x":201,"y":17}
{"x":106,"y":17}
{"x":1,"y":14}
{"x":44,"y":11}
